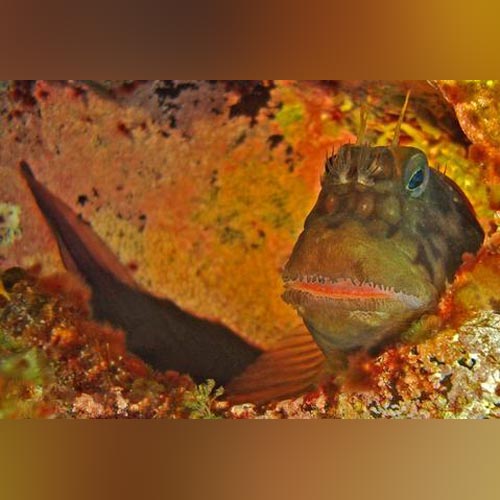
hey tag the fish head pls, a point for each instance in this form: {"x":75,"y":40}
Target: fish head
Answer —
{"x":386,"y":235}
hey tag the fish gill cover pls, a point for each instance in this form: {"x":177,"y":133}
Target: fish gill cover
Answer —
{"x":201,"y":188}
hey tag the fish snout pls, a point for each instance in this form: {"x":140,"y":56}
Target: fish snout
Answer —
{"x":373,"y":269}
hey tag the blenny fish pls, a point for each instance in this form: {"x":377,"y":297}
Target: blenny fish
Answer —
{"x":387,"y":234}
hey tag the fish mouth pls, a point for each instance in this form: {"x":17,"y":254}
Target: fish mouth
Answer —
{"x":345,"y":291}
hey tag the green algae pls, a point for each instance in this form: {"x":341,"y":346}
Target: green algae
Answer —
{"x":292,"y":117}
{"x":24,"y":365}
{"x":289,"y":116}
{"x":25,"y":371}
{"x":25,"y":377}
{"x":200,"y":400}
{"x":10,"y":224}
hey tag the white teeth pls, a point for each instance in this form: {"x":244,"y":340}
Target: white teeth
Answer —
{"x":407,"y":299}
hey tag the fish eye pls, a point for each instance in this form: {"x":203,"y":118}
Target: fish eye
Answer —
{"x":416,"y":180}
{"x":417,"y":175}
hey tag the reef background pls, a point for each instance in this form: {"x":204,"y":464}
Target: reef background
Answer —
{"x":201,"y":188}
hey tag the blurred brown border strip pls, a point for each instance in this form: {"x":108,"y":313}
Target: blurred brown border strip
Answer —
{"x":193,"y":39}
{"x":316,"y":460}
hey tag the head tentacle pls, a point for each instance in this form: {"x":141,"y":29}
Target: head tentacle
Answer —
{"x":397,"y":133}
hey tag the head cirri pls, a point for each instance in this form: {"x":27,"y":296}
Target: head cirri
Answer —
{"x":385,"y":237}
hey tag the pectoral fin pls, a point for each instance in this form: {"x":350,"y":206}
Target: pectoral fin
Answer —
{"x":293,"y":367}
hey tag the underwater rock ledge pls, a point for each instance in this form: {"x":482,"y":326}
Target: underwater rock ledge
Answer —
{"x":56,"y":363}
{"x":227,"y":171}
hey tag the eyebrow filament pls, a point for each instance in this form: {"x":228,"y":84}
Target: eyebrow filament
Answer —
{"x":397,"y":133}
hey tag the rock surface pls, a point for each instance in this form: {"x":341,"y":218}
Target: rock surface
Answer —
{"x":201,"y":188}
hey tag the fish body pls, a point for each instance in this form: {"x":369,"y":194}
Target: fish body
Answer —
{"x":157,"y":330}
{"x":385,"y":237}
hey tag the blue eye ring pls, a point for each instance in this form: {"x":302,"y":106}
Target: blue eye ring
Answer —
{"x":417,"y":180}
{"x":416,"y":175}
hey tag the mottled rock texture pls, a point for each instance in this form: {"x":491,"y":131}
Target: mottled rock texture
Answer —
{"x":201,"y":188}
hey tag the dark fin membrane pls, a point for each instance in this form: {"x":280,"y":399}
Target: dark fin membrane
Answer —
{"x":79,"y":246}
{"x":157,"y":330}
{"x":295,"y":366}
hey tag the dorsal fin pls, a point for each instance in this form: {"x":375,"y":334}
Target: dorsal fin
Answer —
{"x":163,"y":334}
{"x":65,"y":223}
